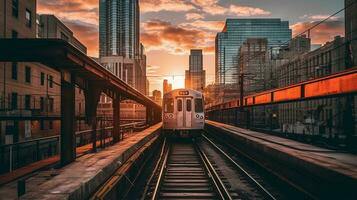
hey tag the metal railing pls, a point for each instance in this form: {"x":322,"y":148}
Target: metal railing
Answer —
{"x":17,"y":155}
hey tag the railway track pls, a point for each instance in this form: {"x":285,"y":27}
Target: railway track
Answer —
{"x":246,"y":176}
{"x":186,"y":173}
{"x":204,"y":169}
{"x":269,"y":182}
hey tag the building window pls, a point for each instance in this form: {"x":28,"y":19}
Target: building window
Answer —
{"x":50,"y":104}
{"x":15,"y":8}
{"x":42,"y":104}
{"x":28,"y":18}
{"x":14,"y":100}
{"x":27,"y":102}
{"x":14,"y":34}
{"x":42,"y":78}
{"x":198,"y":105}
{"x":28,"y":74}
{"x":14,"y":71}
{"x":50,"y":79}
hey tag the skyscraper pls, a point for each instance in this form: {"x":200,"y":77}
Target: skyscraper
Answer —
{"x":119,"y":28}
{"x":120,"y":49}
{"x":253,"y":69}
{"x":195,"y":77}
{"x":196,"y":60}
{"x":167,"y":87}
{"x":235,"y":32}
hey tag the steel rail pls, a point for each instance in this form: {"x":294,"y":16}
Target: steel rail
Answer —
{"x":155,"y":169}
{"x":217,"y":181}
{"x":265,"y":191}
{"x":161,"y":175}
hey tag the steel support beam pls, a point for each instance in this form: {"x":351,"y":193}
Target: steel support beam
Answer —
{"x":116,"y":119}
{"x":68,"y":140}
{"x":92,"y":96}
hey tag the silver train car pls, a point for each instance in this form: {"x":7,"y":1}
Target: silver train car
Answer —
{"x":183,"y":113}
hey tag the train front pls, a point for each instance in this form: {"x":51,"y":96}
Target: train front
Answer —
{"x":183,"y":113}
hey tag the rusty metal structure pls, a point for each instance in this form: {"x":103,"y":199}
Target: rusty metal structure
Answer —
{"x":76,"y":68}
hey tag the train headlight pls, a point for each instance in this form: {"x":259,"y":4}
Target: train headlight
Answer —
{"x":171,"y":116}
{"x":201,"y":117}
{"x":197,"y":116}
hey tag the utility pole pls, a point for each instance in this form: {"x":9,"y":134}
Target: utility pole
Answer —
{"x":241,"y":91}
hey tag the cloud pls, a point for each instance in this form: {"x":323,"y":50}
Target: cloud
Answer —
{"x":206,"y":25}
{"x":194,"y":16}
{"x":86,"y":33}
{"x":176,"y":39}
{"x":150,"y":40}
{"x":245,"y":11}
{"x":165,"y":5}
{"x":319,"y":17}
{"x":86,"y":11}
{"x":321,"y":34}
{"x":155,"y":25}
{"x":203,"y":3}
{"x":213,"y":7}
{"x":80,"y":16}
{"x":152,"y":70}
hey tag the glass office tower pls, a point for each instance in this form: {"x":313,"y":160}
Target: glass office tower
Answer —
{"x":196,"y":60}
{"x":119,"y":28}
{"x":237,"y":31}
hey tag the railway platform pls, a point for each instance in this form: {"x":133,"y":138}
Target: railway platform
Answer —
{"x":330,"y":169}
{"x":80,"y":179}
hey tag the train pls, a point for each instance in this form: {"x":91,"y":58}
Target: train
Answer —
{"x":183,"y":113}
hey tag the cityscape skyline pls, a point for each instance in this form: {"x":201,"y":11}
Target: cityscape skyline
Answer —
{"x":245,"y":96}
{"x":190,"y":17}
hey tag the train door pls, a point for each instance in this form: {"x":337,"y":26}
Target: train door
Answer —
{"x":180,"y":111}
{"x":188,"y":112}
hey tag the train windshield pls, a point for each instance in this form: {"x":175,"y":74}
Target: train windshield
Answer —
{"x":169,"y":105}
{"x":179,"y":105}
{"x":189,"y":105}
{"x":198,"y":105}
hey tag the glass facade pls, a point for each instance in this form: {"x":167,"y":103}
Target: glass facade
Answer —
{"x":195,"y":77}
{"x":196,"y":60}
{"x":119,"y":28}
{"x":237,"y":31}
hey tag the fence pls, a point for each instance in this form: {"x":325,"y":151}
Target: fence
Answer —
{"x":15,"y":156}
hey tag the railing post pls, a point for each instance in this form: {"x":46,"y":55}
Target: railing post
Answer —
{"x":81,"y":139}
{"x":10,"y":159}
{"x":38,"y":155}
{"x":101,"y":133}
{"x":17,"y":156}
{"x":116,"y":119}
{"x":94,"y":134}
{"x":2,"y":160}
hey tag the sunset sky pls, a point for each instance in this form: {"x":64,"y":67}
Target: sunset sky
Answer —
{"x":170,"y":28}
